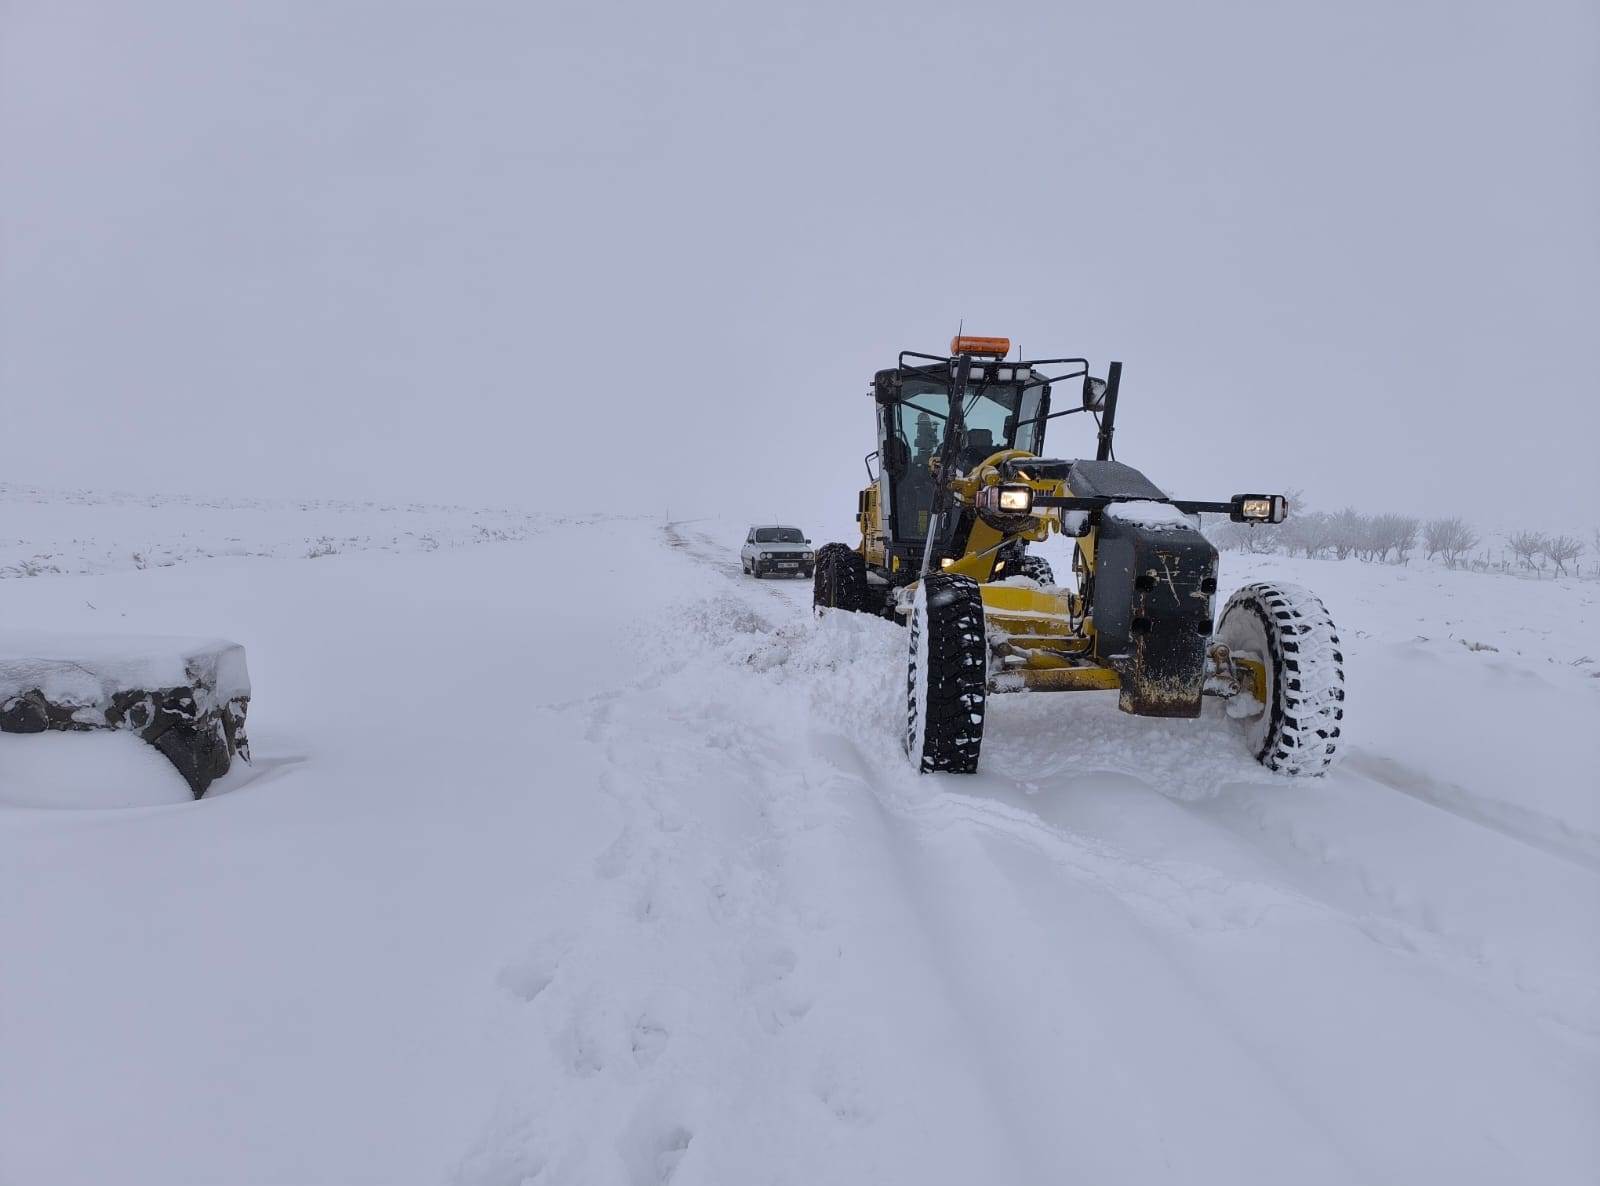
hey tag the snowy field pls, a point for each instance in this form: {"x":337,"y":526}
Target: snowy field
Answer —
{"x":577,"y":857}
{"x":52,"y":533}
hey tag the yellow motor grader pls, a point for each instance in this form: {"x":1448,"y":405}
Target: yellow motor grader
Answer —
{"x":959,"y":491}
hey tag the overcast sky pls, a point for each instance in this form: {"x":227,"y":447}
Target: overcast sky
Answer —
{"x":648,"y":255}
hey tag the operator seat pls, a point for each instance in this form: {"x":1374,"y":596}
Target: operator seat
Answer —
{"x":980,"y":445}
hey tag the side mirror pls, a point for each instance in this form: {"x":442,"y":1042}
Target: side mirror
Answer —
{"x":1094,"y":394}
{"x":808,"y":541}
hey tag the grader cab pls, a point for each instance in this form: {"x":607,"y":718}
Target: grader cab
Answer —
{"x":960,"y":490}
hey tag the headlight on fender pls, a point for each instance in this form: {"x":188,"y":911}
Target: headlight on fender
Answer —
{"x":1259,"y":508}
{"x":1006,"y":500}
{"x":1016,"y":500}
{"x":1007,"y":509}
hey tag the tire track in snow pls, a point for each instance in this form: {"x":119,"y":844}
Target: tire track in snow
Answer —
{"x":681,"y":1013}
{"x":925,"y":817}
{"x":1519,"y":824}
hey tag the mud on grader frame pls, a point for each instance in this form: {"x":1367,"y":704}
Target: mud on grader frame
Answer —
{"x":960,"y":491}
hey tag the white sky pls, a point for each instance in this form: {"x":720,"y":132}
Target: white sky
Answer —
{"x":648,"y":255}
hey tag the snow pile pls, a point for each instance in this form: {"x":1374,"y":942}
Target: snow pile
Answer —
{"x":1149,"y":513}
{"x":87,"y":670}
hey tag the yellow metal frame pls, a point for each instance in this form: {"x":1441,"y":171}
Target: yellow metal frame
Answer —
{"x":1044,"y":635}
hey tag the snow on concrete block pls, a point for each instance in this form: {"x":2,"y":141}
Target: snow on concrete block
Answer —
{"x":187,"y":697}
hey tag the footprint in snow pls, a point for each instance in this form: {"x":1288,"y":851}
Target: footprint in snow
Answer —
{"x":529,"y":976}
{"x":673,"y":1146}
{"x":649,"y":1040}
{"x":653,"y":1144}
{"x":578,"y":1048}
{"x":618,"y":856}
{"x":771,"y":967}
{"x":844,"y":1099}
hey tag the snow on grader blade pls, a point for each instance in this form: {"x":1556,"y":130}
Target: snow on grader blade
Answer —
{"x":186,"y":697}
{"x":961,"y":490}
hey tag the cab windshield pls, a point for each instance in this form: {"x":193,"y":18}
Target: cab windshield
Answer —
{"x":779,"y":535}
{"x":991,"y":413}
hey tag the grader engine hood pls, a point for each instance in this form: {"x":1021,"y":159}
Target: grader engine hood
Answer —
{"x":1155,"y":577}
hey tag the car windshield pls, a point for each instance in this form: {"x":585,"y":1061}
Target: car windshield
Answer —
{"x":779,"y":535}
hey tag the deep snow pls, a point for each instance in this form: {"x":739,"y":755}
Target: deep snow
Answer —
{"x":581,"y":858}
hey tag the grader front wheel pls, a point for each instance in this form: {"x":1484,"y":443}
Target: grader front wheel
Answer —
{"x":946,"y":675}
{"x":1288,"y":630}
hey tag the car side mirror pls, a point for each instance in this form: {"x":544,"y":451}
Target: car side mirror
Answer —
{"x":807,"y":541}
{"x":1094,"y":394}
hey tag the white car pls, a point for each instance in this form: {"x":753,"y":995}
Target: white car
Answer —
{"x":775,"y":550}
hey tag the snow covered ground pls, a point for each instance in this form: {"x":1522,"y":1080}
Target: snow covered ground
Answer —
{"x":577,"y":857}
{"x":52,"y":532}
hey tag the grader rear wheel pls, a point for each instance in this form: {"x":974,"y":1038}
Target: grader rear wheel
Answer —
{"x":1038,"y":568}
{"x":840,"y":579}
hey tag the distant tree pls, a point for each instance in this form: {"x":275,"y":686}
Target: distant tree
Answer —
{"x":1223,"y":532}
{"x":1449,"y":538}
{"x":1393,"y":533}
{"x":1347,"y":530}
{"x":1435,"y":533}
{"x":1310,"y":533}
{"x":1258,"y":538}
{"x":1527,"y":546}
{"x":1562,"y":548}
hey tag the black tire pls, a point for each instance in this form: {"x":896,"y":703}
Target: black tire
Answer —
{"x":839,"y":579}
{"x":1288,"y":628}
{"x":946,"y":676}
{"x":1038,"y":568}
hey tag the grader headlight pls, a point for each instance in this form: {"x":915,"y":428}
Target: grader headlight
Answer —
{"x":1017,"y":500}
{"x":1259,"y":508}
{"x":1005,"y":508}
